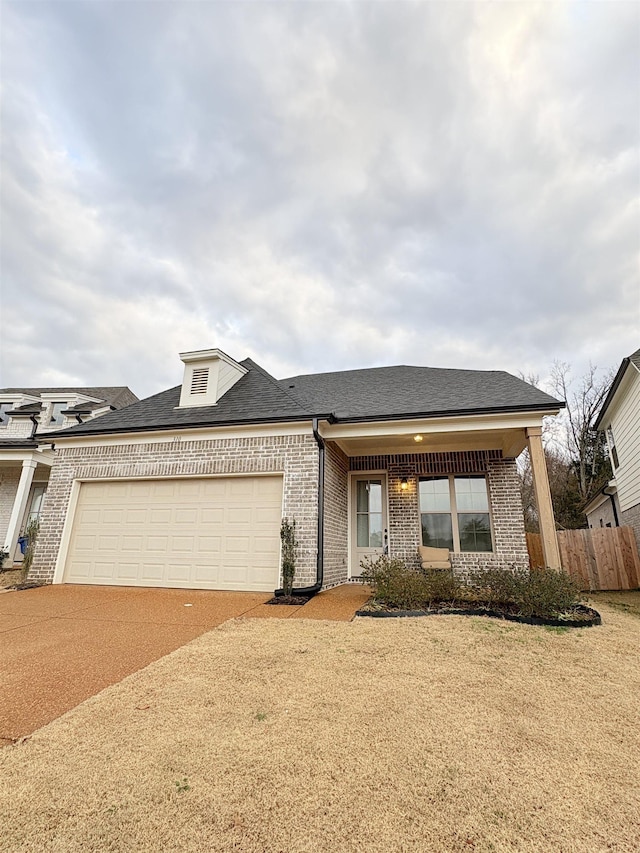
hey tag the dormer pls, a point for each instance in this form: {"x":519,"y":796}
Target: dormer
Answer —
{"x":208,"y":374}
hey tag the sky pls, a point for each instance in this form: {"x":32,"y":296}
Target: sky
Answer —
{"x":318,"y":186}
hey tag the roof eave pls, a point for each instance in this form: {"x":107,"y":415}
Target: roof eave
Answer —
{"x":612,"y":391}
{"x":449,"y":413}
{"x":78,"y":433}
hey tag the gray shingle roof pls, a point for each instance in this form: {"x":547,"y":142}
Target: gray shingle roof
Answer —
{"x":256,"y":398}
{"x":27,"y":409}
{"x":352,"y":395}
{"x":403,"y":391}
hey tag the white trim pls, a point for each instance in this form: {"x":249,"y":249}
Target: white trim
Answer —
{"x":178,"y":434}
{"x":454,"y":512}
{"x":461,"y":423}
{"x":42,"y":457}
{"x":67,"y":529}
{"x":383,"y":474}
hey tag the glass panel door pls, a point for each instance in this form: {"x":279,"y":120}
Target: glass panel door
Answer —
{"x":369,"y":519}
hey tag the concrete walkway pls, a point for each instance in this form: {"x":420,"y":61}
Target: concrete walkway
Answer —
{"x":61,"y":644}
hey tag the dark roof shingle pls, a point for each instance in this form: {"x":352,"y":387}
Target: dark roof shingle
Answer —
{"x":352,"y":395}
{"x":403,"y":391}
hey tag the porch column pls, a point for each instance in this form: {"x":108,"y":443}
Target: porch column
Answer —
{"x":543,"y":498}
{"x":19,"y":505}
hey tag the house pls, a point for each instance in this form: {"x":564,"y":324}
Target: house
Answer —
{"x":188,"y":488}
{"x":26,"y":414}
{"x":618,"y":504}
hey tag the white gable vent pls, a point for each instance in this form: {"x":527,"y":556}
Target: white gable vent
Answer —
{"x":208,"y":375}
{"x":199,"y":380}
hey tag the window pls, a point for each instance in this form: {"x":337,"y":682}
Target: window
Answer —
{"x":369,"y":514}
{"x":56,"y":413}
{"x":612,"y":448}
{"x":4,"y":408}
{"x":454,"y":513}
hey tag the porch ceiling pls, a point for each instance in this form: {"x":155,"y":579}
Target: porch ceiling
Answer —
{"x":510,"y":441}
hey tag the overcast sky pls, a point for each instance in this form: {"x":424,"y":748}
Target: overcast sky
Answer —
{"x":320,"y":186}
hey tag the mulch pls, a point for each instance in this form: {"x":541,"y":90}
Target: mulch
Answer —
{"x":580,"y":616}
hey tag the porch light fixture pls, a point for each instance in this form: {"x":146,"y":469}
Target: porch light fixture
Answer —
{"x":404,"y":484}
{"x":417,"y":438}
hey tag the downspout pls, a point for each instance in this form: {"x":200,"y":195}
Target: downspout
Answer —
{"x":310,"y":591}
{"x":34,"y":421}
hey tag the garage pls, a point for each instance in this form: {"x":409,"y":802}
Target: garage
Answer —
{"x":191,"y":533}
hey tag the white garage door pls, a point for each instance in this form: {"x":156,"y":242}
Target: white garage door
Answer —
{"x":219,"y":533}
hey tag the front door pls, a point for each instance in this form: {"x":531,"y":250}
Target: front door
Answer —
{"x":369,"y":535}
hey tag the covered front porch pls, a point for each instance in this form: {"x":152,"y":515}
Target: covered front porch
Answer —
{"x":24,"y":474}
{"x":390,"y":487}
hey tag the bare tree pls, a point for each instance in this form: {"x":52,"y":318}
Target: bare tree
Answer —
{"x":584,"y":447}
{"x":577,"y":461}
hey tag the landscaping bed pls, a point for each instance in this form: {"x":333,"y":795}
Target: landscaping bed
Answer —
{"x":533,"y":597}
{"x":580,"y":617}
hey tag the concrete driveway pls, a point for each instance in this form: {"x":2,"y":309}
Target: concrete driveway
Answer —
{"x":61,"y":644}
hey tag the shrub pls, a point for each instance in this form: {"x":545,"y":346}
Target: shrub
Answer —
{"x":547,"y":592}
{"x":536,"y":592}
{"x":289,"y":553}
{"x":396,"y":585}
{"x":32,"y":534}
{"x":541,"y":592}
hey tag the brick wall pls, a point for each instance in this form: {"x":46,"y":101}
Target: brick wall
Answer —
{"x":336,"y":548}
{"x":509,"y":540}
{"x":631,"y":518}
{"x":296,"y":457}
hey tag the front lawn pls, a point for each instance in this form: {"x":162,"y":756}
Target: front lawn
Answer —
{"x":278,"y":736}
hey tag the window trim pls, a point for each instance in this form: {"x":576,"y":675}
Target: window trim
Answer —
{"x":453,"y":509}
{"x":611,"y":444}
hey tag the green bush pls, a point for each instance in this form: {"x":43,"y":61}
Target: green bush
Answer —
{"x":536,"y":592}
{"x":395,"y":585}
{"x":541,"y":592}
{"x":547,"y":592}
{"x":289,"y":554}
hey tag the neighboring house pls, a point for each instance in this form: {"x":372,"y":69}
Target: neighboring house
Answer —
{"x":26,"y":414}
{"x":619,"y":502}
{"x":188,"y":488}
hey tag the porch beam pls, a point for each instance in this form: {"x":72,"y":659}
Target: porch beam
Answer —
{"x":543,"y":498}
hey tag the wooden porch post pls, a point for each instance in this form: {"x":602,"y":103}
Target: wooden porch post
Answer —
{"x":543,"y":498}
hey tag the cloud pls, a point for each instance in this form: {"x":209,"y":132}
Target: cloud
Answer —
{"x":318,"y":186}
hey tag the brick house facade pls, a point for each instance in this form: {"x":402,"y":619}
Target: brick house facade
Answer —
{"x":111,"y":478}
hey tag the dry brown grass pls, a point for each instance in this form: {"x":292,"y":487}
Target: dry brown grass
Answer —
{"x":435,"y":734}
{"x":9,"y":578}
{"x":627,"y":601}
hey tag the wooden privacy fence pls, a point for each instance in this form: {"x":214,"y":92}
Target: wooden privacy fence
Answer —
{"x":598,"y":558}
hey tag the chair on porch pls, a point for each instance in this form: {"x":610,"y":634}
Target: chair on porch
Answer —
{"x":434,"y":558}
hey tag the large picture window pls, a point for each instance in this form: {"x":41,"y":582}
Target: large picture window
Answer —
{"x":454,"y":513}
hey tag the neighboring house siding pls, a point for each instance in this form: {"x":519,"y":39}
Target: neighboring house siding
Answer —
{"x":509,"y":541}
{"x":335,"y":516}
{"x":17,"y":428}
{"x":602,"y":515}
{"x":9,"y":479}
{"x":631,"y":518}
{"x":624,"y":420}
{"x":295,"y":456}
